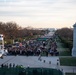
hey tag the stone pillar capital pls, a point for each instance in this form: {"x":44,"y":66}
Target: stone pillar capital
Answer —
{"x":74,"y":25}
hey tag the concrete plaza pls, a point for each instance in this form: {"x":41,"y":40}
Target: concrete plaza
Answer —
{"x":31,"y":61}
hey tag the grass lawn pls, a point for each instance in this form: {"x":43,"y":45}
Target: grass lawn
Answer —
{"x":63,"y":51}
{"x":70,"y":74}
{"x":68,"y":61}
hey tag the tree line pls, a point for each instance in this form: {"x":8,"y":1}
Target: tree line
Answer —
{"x":66,"y":36}
{"x":12,"y":30}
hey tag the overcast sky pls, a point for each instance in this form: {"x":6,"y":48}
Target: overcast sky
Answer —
{"x":39,"y":13}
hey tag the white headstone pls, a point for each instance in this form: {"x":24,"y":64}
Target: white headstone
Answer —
{"x":74,"y":41}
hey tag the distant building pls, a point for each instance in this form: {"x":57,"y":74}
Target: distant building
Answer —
{"x":51,"y":29}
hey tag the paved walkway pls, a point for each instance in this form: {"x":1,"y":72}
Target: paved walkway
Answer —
{"x":32,"y":61}
{"x":69,"y":69}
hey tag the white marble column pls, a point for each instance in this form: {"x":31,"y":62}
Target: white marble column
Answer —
{"x":74,"y":41}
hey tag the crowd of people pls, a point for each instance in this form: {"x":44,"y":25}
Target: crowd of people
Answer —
{"x":33,"y":48}
{"x":28,"y":48}
{"x":53,"y":49}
